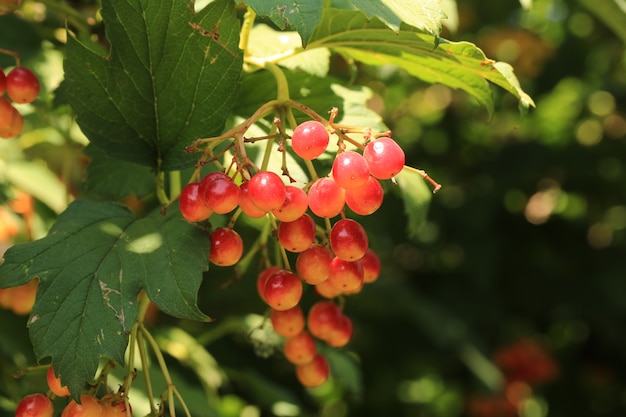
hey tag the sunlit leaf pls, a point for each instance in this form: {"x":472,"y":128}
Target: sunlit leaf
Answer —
{"x":425,"y":14}
{"x":459,"y":65}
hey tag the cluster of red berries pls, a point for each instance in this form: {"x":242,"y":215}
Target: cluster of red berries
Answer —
{"x":336,"y":260}
{"x":40,"y":405}
{"x":21,"y":86}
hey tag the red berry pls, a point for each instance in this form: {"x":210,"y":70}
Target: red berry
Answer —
{"x":341,"y":334}
{"x":327,"y":290}
{"x":11,"y":120}
{"x":323,"y":318}
{"x":367,"y":198}
{"x":300,"y":349}
{"x":385,"y":158}
{"x":309,"y":139}
{"x":246,"y":203}
{"x":326,"y":198}
{"x":314,"y":373}
{"x":350,"y":170}
{"x":348,"y":240}
{"x":219,"y":193}
{"x":22,"y":85}
{"x":54,"y":383}
{"x":288,"y":323}
{"x":298,"y":235}
{"x":226,"y":247}
{"x":345,"y":275}
{"x":262,"y":279}
{"x":266,"y":190}
{"x":371,"y":266}
{"x":295,"y":205}
{"x":283,"y":290}
{"x":35,"y":405}
{"x":313,"y":264}
{"x":192,"y":207}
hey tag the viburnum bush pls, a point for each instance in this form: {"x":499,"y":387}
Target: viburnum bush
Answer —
{"x":214,"y":138}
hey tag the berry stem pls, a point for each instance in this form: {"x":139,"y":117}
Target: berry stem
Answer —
{"x":14,"y":54}
{"x":435,"y":184}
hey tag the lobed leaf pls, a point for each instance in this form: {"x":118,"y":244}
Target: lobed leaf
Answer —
{"x":169,"y":78}
{"x":459,"y":65}
{"x":91,"y":266}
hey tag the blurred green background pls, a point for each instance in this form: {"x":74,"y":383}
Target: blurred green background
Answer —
{"x":511,"y":299}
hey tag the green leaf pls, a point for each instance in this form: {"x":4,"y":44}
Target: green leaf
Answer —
{"x":91,"y":266}
{"x":110,"y":179}
{"x":170,"y":77}
{"x":416,"y":196}
{"x":300,"y":15}
{"x":460,"y":65}
{"x":425,"y":15}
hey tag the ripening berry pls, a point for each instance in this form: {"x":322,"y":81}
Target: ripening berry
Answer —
{"x":219,"y":193}
{"x":295,"y":205}
{"x":313,"y":264}
{"x":54,"y":383}
{"x":350,"y":170}
{"x":323,"y":318}
{"x":22,"y":85}
{"x":326,"y":198}
{"x":348,"y":240}
{"x":314,"y":373}
{"x":341,"y":334}
{"x":327,"y":290}
{"x":300,"y":349}
{"x":246,"y":204}
{"x":11,"y":120}
{"x":384,"y":157}
{"x":24,"y":297}
{"x":266,"y":190}
{"x":89,"y":407}
{"x":262,"y":279}
{"x":226,"y":247}
{"x":283,"y":290}
{"x":35,"y":405}
{"x":345,"y":275}
{"x":310,"y":139}
{"x":298,"y":235}
{"x":116,"y":408}
{"x":191,"y":205}
{"x":371,"y":266}
{"x":367,"y":198}
{"x":288,"y":323}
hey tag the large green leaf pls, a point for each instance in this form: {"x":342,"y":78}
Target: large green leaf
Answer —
{"x":169,"y":78}
{"x":91,"y":266}
{"x":300,"y":15}
{"x":460,"y":65}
